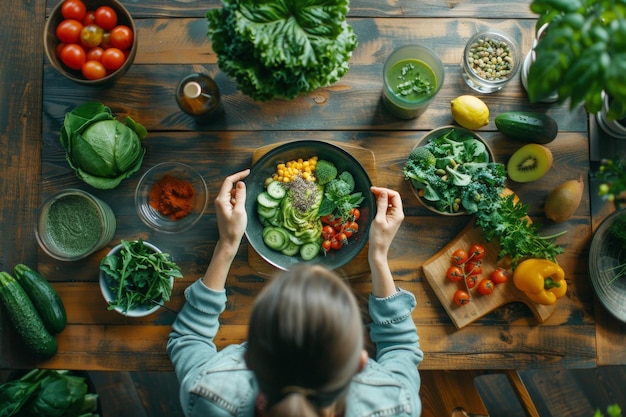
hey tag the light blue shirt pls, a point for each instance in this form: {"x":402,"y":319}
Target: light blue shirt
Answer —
{"x":218,"y":384}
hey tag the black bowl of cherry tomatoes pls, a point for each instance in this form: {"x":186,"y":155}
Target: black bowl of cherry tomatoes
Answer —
{"x":91,"y":42}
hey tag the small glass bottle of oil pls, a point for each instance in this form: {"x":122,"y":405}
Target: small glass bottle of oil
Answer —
{"x":198,"y":96}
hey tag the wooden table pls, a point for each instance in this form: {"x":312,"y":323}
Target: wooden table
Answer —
{"x":172,"y":44}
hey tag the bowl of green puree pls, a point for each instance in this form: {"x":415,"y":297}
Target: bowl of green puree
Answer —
{"x":73,"y":224}
{"x":412,"y":75}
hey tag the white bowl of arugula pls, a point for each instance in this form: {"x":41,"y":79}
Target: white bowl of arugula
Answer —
{"x":452,"y":172}
{"x":136,"y":278}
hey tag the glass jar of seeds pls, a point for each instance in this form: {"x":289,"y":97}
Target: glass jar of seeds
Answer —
{"x":490,"y":60}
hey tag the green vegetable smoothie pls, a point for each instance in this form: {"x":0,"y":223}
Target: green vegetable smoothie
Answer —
{"x":75,"y":224}
{"x":413,"y":75}
{"x":412,"y":80}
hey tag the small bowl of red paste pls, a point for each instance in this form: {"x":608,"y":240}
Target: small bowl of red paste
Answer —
{"x":171,"y":197}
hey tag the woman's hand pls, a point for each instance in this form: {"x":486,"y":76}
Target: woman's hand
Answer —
{"x":230,"y":207}
{"x":387,"y":221}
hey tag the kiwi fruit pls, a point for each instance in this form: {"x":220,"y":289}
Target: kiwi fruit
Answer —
{"x":529,"y":163}
{"x":563,"y":200}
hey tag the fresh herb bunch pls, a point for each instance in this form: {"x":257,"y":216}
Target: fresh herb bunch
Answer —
{"x":138,"y":276}
{"x":612,"y":175}
{"x":508,"y":221}
{"x":581,"y":54}
{"x":453,"y":173}
{"x":282,"y":48}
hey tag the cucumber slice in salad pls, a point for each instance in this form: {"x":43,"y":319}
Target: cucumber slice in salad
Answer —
{"x":276,"y":190}
{"x":266,"y":200}
{"x":309,"y":251}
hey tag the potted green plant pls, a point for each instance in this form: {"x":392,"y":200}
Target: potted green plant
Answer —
{"x":581,"y":54}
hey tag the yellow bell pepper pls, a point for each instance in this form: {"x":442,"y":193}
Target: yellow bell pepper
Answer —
{"x":543,"y":281}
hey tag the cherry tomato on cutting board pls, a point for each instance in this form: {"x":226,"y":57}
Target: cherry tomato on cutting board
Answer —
{"x":477,"y":251}
{"x":459,"y":256}
{"x":499,"y":276}
{"x":461,"y":297}
{"x":485,"y":286}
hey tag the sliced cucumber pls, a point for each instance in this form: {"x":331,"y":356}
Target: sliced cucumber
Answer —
{"x":276,"y":238}
{"x":291,"y":249}
{"x":276,"y":190}
{"x":265,"y":200}
{"x":266,"y":212}
{"x":309,"y":251}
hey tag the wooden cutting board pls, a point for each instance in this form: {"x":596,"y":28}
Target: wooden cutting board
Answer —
{"x":435,"y":272}
{"x":357,"y":266}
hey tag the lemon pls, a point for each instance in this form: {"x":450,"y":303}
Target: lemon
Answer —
{"x":470,"y":112}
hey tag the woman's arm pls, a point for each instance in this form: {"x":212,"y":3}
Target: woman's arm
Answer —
{"x":389,"y":216}
{"x":231,"y":224}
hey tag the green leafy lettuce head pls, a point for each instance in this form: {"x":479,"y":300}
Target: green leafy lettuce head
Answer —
{"x":102,"y":150}
{"x":282,"y":48}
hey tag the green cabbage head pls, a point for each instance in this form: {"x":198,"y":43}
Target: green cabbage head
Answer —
{"x":102,"y":150}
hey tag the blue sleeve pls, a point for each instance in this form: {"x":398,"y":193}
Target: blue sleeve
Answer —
{"x":393,"y":331}
{"x":190,"y":344}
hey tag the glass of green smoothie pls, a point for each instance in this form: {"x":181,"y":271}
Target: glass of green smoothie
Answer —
{"x":413,"y":75}
{"x":73,"y":224}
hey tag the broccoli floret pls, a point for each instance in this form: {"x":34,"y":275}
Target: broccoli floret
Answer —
{"x":423,"y":157}
{"x":325,"y":172}
{"x":348,"y":178}
{"x":337,"y":188}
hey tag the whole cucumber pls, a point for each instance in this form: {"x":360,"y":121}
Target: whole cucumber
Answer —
{"x":532,"y":127}
{"x":44,"y":297}
{"x":25,"y":319}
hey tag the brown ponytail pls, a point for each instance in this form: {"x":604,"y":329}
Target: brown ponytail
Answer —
{"x":305,"y":340}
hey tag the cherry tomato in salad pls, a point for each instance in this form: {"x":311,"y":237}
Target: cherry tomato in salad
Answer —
{"x":461,"y":298}
{"x":335,"y":243}
{"x":499,"y":276}
{"x":342,"y":237}
{"x":121,"y":37}
{"x":454,"y":273}
{"x":477,"y":251}
{"x":73,"y":9}
{"x":326,"y":246}
{"x":68,"y":31}
{"x":93,"y":70}
{"x":459,"y":256}
{"x":328,"y":232}
{"x":355,"y":213}
{"x":485,"y":286}
{"x":473,"y":267}
{"x":113,"y":58}
{"x":106,"y":17}
{"x":73,"y":56}
{"x":471,"y":281}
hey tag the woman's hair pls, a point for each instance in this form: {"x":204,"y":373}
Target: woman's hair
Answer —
{"x":305,"y":340}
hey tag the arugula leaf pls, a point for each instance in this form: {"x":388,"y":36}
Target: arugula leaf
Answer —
{"x":139,"y":276}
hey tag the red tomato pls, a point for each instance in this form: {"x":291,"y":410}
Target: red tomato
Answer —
{"x":68,"y":31}
{"x":335,"y":243}
{"x":342,"y":237}
{"x":471,"y":281}
{"x":59,"y":48}
{"x":454,"y":273}
{"x":352,"y":227}
{"x":326,"y":246}
{"x":95,"y":54}
{"x":486,"y":286}
{"x":106,"y":17}
{"x":327,"y":231}
{"x":106,"y":40}
{"x":477,"y":251}
{"x":91,"y":35}
{"x":500,"y":276}
{"x":459,"y":256}
{"x":113,"y":58}
{"x":90,"y":18}
{"x":73,"y":56}
{"x":473,"y":267}
{"x":461,"y":297}
{"x":327,"y":219}
{"x":73,"y":9}
{"x":355,"y":213}
{"x":93,"y":70}
{"x":121,"y":37}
